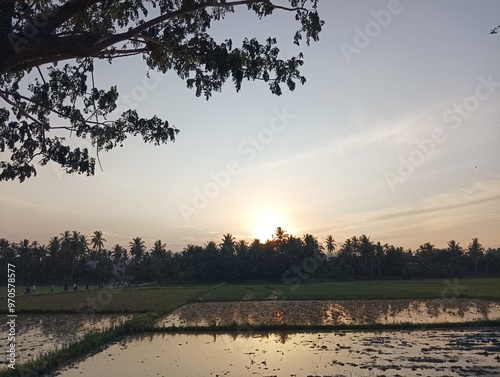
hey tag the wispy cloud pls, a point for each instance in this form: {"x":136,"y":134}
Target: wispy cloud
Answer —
{"x":430,"y":211}
{"x":40,"y":206}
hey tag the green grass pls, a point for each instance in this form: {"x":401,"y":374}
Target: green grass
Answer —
{"x":238,"y":292}
{"x":156,"y":299}
{"x":128,"y":300}
{"x":248,"y":330}
{"x":398,"y":289}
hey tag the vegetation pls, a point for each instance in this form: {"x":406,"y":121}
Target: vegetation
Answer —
{"x":109,"y":300}
{"x":393,"y":289}
{"x":168,"y":34}
{"x":165,"y":299}
{"x":156,"y":302}
{"x":249,"y":330}
{"x":72,"y":258}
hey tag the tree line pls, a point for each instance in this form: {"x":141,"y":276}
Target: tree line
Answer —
{"x":72,"y":257}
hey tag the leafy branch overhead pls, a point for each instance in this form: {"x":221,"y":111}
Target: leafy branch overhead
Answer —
{"x":47,"y":86}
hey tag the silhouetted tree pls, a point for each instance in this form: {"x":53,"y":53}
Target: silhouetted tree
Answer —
{"x":330,"y":245}
{"x":168,"y":34}
{"x":475,"y":252}
{"x":137,"y":249}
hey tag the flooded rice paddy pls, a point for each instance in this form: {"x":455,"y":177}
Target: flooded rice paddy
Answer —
{"x":41,"y":333}
{"x":338,"y":312}
{"x":449,"y":353}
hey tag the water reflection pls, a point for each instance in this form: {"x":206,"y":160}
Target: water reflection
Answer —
{"x":341,"y":353}
{"x":40,"y":333}
{"x":332,"y":312}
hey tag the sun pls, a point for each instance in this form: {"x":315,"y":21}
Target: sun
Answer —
{"x":265,"y":224}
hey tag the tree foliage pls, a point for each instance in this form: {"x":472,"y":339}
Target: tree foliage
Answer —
{"x":286,"y":258}
{"x":48,"y":49}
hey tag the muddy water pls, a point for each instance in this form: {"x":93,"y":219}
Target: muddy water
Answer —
{"x":388,"y":353}
{"x":332,"y":312}
{"x":40,"y":333}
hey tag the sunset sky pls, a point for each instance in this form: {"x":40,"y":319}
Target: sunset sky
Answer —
{"x":395,"y":135}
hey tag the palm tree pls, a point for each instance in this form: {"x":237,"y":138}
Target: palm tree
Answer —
{"x":24,"y":254}
{"x":137,"y":249}
{"x":78,"y":246}
{"x":366,"y":252}
{"x":241,"y":248}
{"x":158,"y":261}
{"x":330,"y":245}
{"x":379,"y":252}
{"x":97,"y":241}
{"x":159,"y":249}
{"x":346,"y":253}
{"x":227,"y":245}
{"x":280,"y":235}
{"x":311,"y":246}
{"x":7,"y":249}
{"x":119,"y":254}
{"x":475,"y":251}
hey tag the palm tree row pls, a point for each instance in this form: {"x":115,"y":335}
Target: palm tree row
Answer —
{"x":72,"y":257}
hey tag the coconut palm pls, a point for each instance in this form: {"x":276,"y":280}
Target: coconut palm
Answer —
{"x":475,"y":251}
{"x":97,"y":241}
{"x":159,"y":249}
{"x":78,"y":247}
{"x":228,"y":243}
{"x":366,"y":251}
{"x":241,"y":248}
{"x":330,"y":245}
{"x":119,"y":255}
{"x":24,"y":253}
{"x":137,"y":249}
{"x":7,"y":250}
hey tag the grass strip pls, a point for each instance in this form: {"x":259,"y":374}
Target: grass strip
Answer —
{"x":247,"y":329}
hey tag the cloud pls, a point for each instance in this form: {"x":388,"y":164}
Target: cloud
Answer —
{"x":39,"y":206}
{"x":442,"y":207}
{"x":439,"y":203}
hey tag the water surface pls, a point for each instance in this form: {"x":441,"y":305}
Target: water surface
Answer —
{"x":343,"y":353}
{"x":40,"y":333}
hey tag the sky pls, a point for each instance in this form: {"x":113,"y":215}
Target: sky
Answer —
{"x":394,"y":135}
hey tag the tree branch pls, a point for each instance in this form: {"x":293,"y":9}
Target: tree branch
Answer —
{"x":20,"y":108}
{"x":90,"y":45}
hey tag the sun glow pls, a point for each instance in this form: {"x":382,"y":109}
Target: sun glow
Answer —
{"x":265,"y":224}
